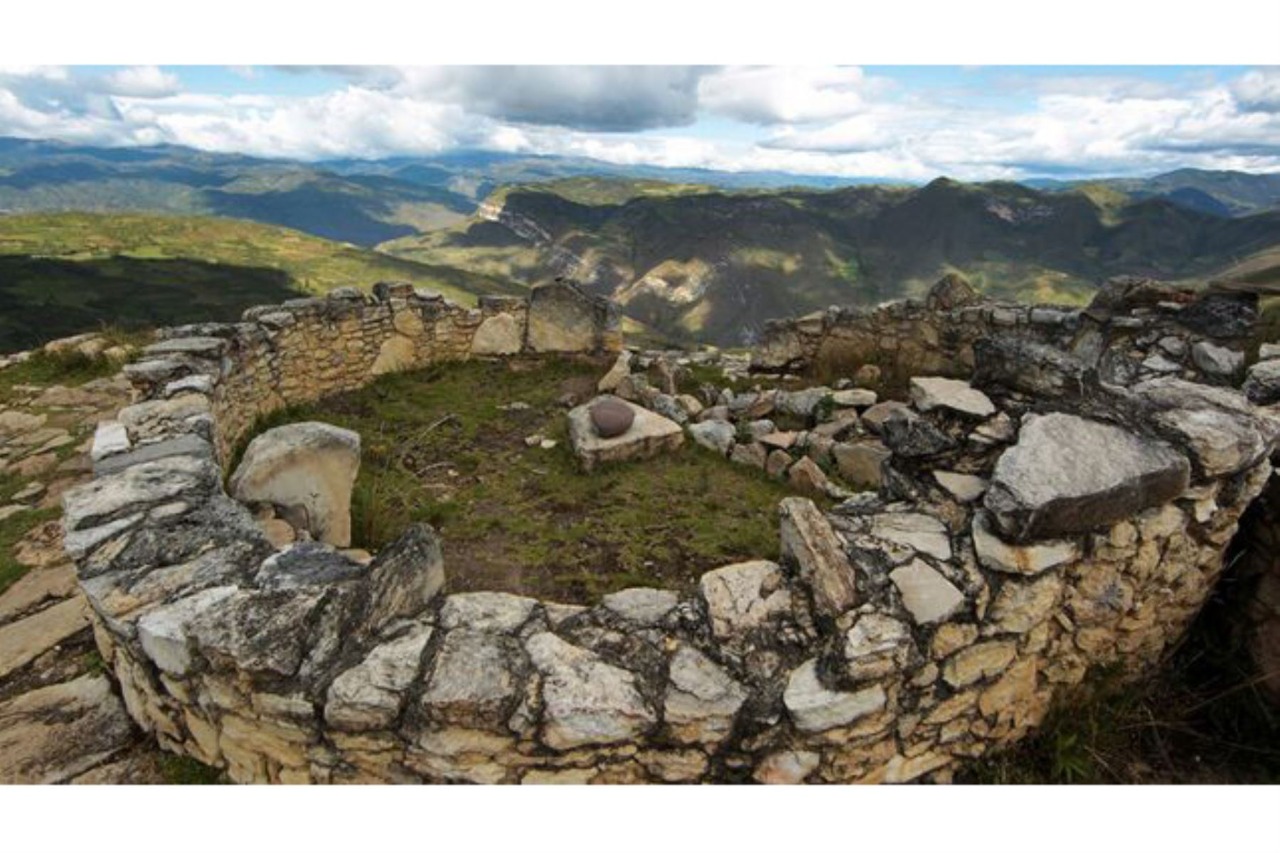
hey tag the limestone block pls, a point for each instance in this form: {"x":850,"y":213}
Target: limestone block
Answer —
{"x":307,"y":465}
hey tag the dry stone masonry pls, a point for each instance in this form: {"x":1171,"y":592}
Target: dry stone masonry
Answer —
{"x":1069,"y":507}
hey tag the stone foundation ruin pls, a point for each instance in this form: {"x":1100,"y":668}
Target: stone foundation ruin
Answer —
{"x":1069,"y":509}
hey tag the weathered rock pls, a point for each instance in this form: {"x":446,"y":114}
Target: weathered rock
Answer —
{"x":164,"y":631}
{"x":35,"y":587}
{"x":610,"y":417}
{"x":1021,"y":606}
{"x":1216,"y":360}
{"x":950,"y":292}
{"x":860,"y":464}
{"x":310,"y":465}
{"x":938,"y":392}
{"x":619,"y":371}
{"x":1030,"y":367}
{"x":809,"y":542}
{"x":405,"y":576}
{"x":586,"y":701}
{"x":805,"y":476}
{"x":642,"y":605}
{"x":777,"y":463}
{"x":713,"y":435}
{"x":1030,"y":559}
{"x":745,"y":596}
{"x":1263,"y":384}
{"x":914,"y":530}
{"x":307,"y":564}
{"x":183,"y":445}
{"x":859,"y":398}
{"x":1068,"y":475}
{"x":564,"y":319}
{"x":649,"y":435}
{"x":751,"y":454}
{"x":926,"y":594}
{"x":501,"y":334}
{"x":877,"y":646}
{"x":53,"y":733}
{"x":786,"y":768}
{"x":669,"y":407}
{"x":486,"y":611}
{"x":702,"y":700}
{"x":874,"y":417}
{"x":16,"y":422}
{"x":109,"y":437}
{"x":477,"y":680}
{"x":965,"y":488}
{"x":979,"y":661}
{"x":1223,"y":433}
{"x":803,"y":403}
{"x":398,"y":352}
{"x":814,"y":708}
{"x":909,"y":435}
{"x":23,"y":641}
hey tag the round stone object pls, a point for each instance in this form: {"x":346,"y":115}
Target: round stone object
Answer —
{"x":611,"y":418}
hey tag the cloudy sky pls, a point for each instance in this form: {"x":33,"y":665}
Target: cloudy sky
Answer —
{"x":912,"y":123}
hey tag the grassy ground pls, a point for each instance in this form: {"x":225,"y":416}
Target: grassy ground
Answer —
{"x":67,"y":273}
{"x":438,"y":448}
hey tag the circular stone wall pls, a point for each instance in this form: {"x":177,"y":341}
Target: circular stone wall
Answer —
{"x":900,"y":633}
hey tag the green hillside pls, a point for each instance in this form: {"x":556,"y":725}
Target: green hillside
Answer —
{"x":65,"y":273}
{"x":713,"y":266}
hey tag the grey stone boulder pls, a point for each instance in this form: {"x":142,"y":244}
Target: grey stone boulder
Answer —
{"x":874,"y":417}
{"x":816,"y":708}
{"x":649,"y":435}
{"x":1216,"y":360}
{"x":928,"y":596}
{"x":1219,"y":427}
{"x":486,"y":611}
{"x":745,"y":597}
{"x":1030,"y":559}
{"x":812,"y":545}
{"x":309,"y":465}
{"x":877,"y":646}
{"x":954,"y":395}
{"x":911,"y":436}
{"x":563,"y":318}
{"x":500,"y":334}
{"x":860,"y":463}
{"x":477,"y":680}
{"x":641,"y":605}
{"x":713,"y":435}
{"x":53,"y":733}
{"x":585,"y":700}
{"x":610,"y":417}
{"x":1263,"y":383}
{"x":404,"y":578}
{"x":803,"y":403}
{"x":1068,"y":475}
{"x":701,"y":699}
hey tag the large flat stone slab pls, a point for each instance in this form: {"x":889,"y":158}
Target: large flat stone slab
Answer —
{"x":26,"y":639}
{"x":1068,"y":475}
{"x":54,"y":733}
{"x":648,"y":435}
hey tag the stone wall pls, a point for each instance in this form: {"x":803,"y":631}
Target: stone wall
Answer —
{"x":310,"y":348}
{"x":902,"y":632}
{"x":1134,"y":330}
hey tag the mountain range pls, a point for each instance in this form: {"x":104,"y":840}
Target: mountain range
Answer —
{"x":693,"y":255}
